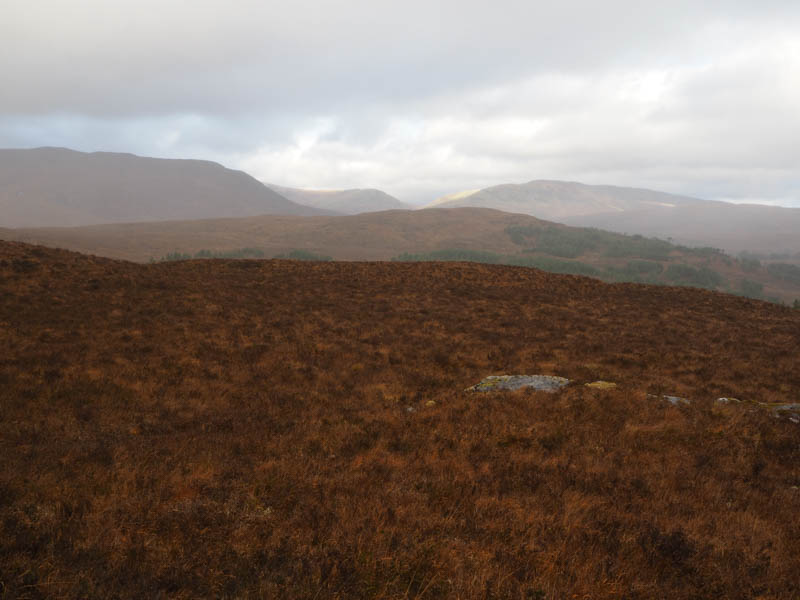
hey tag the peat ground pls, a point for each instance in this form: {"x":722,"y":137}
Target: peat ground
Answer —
{"x":248,"y":429}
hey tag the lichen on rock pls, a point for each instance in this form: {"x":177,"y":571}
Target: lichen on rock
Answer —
{"x":542,"y":383}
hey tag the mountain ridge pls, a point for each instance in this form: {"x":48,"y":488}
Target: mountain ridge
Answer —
{"x":53,"y":186}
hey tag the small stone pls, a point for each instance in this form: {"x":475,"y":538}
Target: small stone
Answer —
{"x":791,"y":411}
{"x":728,"y":400}
{"x":430,"y":403}
{"x":602,"y":385}
{"x":410,"y":409}
{"x":674,"y":400}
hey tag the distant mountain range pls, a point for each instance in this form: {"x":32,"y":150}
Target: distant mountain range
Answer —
{"x":346,"y":202}
{"x":46,"y":187}
{"x":55,"y":186}
{"x":733,"y":227}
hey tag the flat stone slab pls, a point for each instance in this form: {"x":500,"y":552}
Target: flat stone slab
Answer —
{"x":602,"y":385}
{"x":542,"y":383}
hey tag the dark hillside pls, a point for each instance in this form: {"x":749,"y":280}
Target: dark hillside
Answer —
{"x":248,"y":429}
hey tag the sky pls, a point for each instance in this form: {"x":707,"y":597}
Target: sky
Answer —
{"x":420,"y":98}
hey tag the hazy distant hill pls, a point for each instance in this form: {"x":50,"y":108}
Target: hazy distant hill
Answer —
{"x":346,"y":202}
{"x":734,"y":227}
{"x":560,"y":199}
{"x":647,"y":212}
{"x":450,"y":199}
{"x":368,"y":236}
{"x":56,"y":186}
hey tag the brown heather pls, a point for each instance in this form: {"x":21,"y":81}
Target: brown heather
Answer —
{"x":239,"y":429}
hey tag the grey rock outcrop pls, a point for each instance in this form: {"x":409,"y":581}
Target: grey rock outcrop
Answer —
{"x":542,"y":383}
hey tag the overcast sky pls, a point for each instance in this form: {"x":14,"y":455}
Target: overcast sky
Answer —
{"x":420,"y":98}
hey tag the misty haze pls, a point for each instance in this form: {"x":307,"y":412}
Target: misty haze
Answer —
{"x":399,"y":300}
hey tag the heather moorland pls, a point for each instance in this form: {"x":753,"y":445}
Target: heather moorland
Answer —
{"x":277,"y":428}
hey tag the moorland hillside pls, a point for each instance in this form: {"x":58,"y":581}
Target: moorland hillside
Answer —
{"x":274,"y":428}
{"x":474,"y":234}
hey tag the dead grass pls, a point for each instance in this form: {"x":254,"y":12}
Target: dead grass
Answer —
{"x":241,"y":429}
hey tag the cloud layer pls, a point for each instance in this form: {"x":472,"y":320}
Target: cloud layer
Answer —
{"x":418,"y":98}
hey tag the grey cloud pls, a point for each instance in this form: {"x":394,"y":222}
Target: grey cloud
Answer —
{"x":419,"y":98}
{"x":165,"y":57}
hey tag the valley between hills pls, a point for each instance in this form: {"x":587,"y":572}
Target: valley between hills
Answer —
{"x":278,"y":428}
